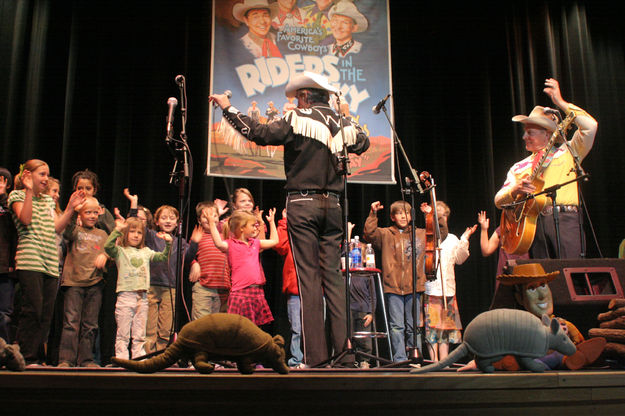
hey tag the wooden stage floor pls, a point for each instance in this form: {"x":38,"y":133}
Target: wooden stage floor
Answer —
{"x":311,"y":392}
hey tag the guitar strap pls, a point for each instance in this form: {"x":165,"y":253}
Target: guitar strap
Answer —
{"x":548,"y":159}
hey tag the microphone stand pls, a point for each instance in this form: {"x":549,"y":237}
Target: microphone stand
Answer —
{"x":579,"y":171}
{"x":180,"y":178}
{"x":415,"y":356}
{"x":183,"y":180}
{"x":551,"y":192}
{"x":343,"y":170}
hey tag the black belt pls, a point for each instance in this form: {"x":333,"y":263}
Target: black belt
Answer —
{"x":314,"y":192}
{"x":548,"y":209}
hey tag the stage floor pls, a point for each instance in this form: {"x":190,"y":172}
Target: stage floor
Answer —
{"x":312,"y":391}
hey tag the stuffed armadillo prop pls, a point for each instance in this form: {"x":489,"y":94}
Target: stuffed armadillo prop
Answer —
{"x":215,"y":337}
{"x":499,"y":332}
{"x":11,"y":357}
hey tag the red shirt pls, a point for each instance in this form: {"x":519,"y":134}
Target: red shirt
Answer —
{"x":289,"y":277}
{"x":214,"y":264}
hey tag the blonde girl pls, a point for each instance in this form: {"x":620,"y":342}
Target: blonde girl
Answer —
{"x":133,"y":281}
{"x":37,"y":258}
{"x":247,"y":296}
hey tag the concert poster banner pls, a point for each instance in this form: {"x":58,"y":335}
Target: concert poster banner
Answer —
{"x":257,"y":48}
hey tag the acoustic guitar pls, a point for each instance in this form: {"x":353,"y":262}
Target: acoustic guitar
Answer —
{"x":518,"y":222}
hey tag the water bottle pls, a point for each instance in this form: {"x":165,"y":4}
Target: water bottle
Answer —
{"x":356,"y":254}
{"x":369,"y":257}
{"x":350,"y":253}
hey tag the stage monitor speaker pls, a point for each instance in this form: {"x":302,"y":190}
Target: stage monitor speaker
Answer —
{"x":580,"y":292}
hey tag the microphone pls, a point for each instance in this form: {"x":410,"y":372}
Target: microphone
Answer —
{"x":376,"y":108}
{"x":548,"y":110}
{"x":172,"y":103}
{"x":227,"y":93}
{"x":180,"y":80}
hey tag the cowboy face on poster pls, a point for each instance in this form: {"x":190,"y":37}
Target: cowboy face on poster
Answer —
{"x":259,"y":45}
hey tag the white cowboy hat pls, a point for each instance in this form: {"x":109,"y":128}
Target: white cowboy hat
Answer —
{"x":347,"y":8}
{"x":239,"y":9}
{"x":538,"y":117}
{"x":308,"y":80}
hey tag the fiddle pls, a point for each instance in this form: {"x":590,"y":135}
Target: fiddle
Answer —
{"x":432,"y":234}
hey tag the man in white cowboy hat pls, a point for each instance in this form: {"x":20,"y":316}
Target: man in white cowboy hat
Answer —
{"x":345,"y":20}
{"x":312,"y":137}
{"x":258,"y":40}
{"x":558,"y":168}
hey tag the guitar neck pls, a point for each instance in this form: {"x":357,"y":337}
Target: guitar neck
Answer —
{"x":561,"y":128}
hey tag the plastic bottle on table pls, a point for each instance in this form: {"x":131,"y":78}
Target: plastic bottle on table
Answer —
{"x":369,"y":257}
{"x":356,"y":254}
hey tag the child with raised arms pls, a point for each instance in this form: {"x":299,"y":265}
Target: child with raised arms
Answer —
{"x":133,"y":281}
{"x":82,"y":282}
{"x":395,"y":245}
{"x":210,"y":273}
{"x":162,"y":292}
{"x":442,"y":316}
{"x":87,"y":182}
{"x":37,"y":258}
{"x":53,"y":188}
{"x":242,"y":199}
{"x":494,"y":243}
{"x":247,"y":296}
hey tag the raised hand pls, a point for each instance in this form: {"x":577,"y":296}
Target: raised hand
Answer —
{"x":120,"y":222}
{"x":483,"y":220}
{"x":350,"y":227}
{"x":258,"y":213}
{"x":222,"y":206}
{"x":209,"y":217}
{"x":197,"y":234}
{"x":468,"y":232}
{"x":164,"y":236}
{"x":376,"y":206}
{"x":271,"y":215}
{"x":134,"y":199}
{"x":552,"y":89}
{"x":27,"y":180}
{"x":221,"y":100}
{"x":76,"y":199}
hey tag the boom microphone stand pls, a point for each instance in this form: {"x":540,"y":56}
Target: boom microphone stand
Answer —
{"x":579,"y":171}
{"x":413,"y":183}
{"x":179,"y":176}
{"x":343,"y":170}
{"x":183,"y":179}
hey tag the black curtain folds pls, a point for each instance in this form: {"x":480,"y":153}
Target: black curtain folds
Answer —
{"x":85,"y":85}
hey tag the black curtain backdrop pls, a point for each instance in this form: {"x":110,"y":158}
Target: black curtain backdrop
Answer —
{"x":85,"y":85}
